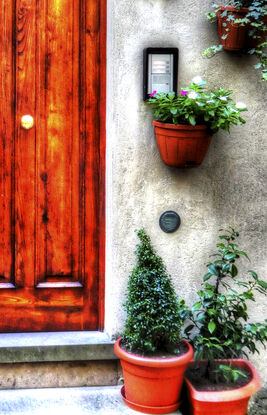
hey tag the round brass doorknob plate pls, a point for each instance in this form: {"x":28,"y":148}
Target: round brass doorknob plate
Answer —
{"x":27,"y":122}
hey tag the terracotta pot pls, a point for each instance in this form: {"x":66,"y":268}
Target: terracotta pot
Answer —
{"x":237,"y":38}
{"x":228,"y":402}
{"x":182,"y":145}
{"x":152,"y":385}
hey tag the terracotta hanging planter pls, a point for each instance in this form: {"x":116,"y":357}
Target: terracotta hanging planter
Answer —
{"x":182,"y":146}
{"x":224,"y":402}
{"x":237,"y":35}
{"x":152,"y":385}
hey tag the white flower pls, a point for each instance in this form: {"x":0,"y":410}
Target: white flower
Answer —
{"x":240,"y":105}
{"x":197,"y":79}
{"x":192,"y":95}
{"x":233,"y":110}
{"x":223,"y":98}
{"x":210,"y":101}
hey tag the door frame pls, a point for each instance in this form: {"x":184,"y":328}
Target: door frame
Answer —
{"x":102,"y":160}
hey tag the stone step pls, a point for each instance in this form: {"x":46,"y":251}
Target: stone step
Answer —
{"x":65,"y":359}
{"x":65,"y":401}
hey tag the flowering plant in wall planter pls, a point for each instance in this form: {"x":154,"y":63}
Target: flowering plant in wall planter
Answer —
{"x":184,"y":123}
{"x":242,"y":25}
{"x":153,"y":355}
{"x":221,"y":381}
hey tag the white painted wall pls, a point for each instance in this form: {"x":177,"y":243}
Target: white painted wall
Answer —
{"x":228,"y":189}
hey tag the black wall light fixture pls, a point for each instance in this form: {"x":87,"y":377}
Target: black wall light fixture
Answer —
{"x":160,"y":70}
{"x":169,"y":221}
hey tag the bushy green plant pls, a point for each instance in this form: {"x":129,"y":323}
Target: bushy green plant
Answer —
{"x":220,"y":316}
{"x":196,"y":106}
{"x":154,"y":315}
{"x":255,"y":18}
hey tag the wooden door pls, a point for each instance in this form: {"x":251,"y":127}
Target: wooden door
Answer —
{"x":52,"y":67}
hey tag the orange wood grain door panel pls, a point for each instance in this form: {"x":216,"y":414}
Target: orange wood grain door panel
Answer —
{"x":52,"y":175}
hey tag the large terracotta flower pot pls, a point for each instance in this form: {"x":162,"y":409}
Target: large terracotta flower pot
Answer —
{"x":237,"y":36}
{"x":152,"y":385}
{"x":182,"y":145}
{"x":227,"y":402}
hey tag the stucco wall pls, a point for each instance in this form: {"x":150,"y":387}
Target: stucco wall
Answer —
{"x":228,"y":189}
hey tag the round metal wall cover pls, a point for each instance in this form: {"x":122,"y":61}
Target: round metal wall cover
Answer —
{"x":169,"y":221}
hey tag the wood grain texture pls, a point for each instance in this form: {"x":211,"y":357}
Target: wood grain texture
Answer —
{"x":52,"y":176}
{"x":24,"y":142}
{"x":6,"y":144}
{"x":102,"y":161}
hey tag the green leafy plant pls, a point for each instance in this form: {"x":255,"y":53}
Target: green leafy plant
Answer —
{"x":154,"y":315}
{"x":220,"y":316}
{"x":229,"y":373}
{"x":255,"y":18}
{"x":196,"y":106}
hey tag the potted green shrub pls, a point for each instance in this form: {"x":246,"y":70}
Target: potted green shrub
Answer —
{"x":242,"y":25}
{"x":153,"y":355}
{"x":185,"y":123}
{"x":221,"y":380}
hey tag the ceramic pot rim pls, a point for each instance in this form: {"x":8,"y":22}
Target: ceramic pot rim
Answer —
{"x":154,"y":362}
{"x":178,"y":126}
{"x":234,"y":9}
{"x":228,"y":395}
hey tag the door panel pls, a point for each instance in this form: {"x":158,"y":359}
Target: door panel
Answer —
{"x":52,"y":210}
{"x":6,"y":148}
{"x":58,"y":131}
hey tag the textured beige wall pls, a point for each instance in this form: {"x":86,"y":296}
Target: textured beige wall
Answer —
{"x":230,"y":186}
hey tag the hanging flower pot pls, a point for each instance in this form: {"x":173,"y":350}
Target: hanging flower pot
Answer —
{"x":184,"y":123}
{"x":182,"y":145}
{"x":233,"y":36}
{"x":242,"y":27}
{"x":223,"y":402}
{"x":152,"y":385}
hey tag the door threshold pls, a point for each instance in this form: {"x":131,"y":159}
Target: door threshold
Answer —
{"x":55,"y":346}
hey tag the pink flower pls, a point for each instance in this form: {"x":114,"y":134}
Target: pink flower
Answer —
{"x":184,"y":92}
{"x":152,"y":93}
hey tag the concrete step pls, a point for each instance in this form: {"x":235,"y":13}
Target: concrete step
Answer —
{"x":56,"y":360}
{"x":65,"y":401}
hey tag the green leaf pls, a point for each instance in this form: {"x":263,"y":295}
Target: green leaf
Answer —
{"x":218,"y":347}
{"x":213,"y":270}
{"x":254,"y":275}
{"x":211,"y":326}
{"x":196,"y":306}
{"x":200,"y":318}
{"x":206,"y":277}
{"x":226,"y":267}
{"x":242,"y":253}
{"x":263,"y":284}
{"x":240,"y":373}
{"x":229,"y":257}
{"x":234,"y":271}
{"x":192,"y":120}
{"x":258,"y":65}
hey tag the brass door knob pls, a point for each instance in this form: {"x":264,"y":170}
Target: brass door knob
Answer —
{"x":27,"y":122}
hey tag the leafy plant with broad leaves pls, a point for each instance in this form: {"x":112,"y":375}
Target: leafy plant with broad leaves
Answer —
{"x":255,"y":18}
{"x":221,"y":315}
{"x":197,"y":106}
{"x":154,"y":314}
